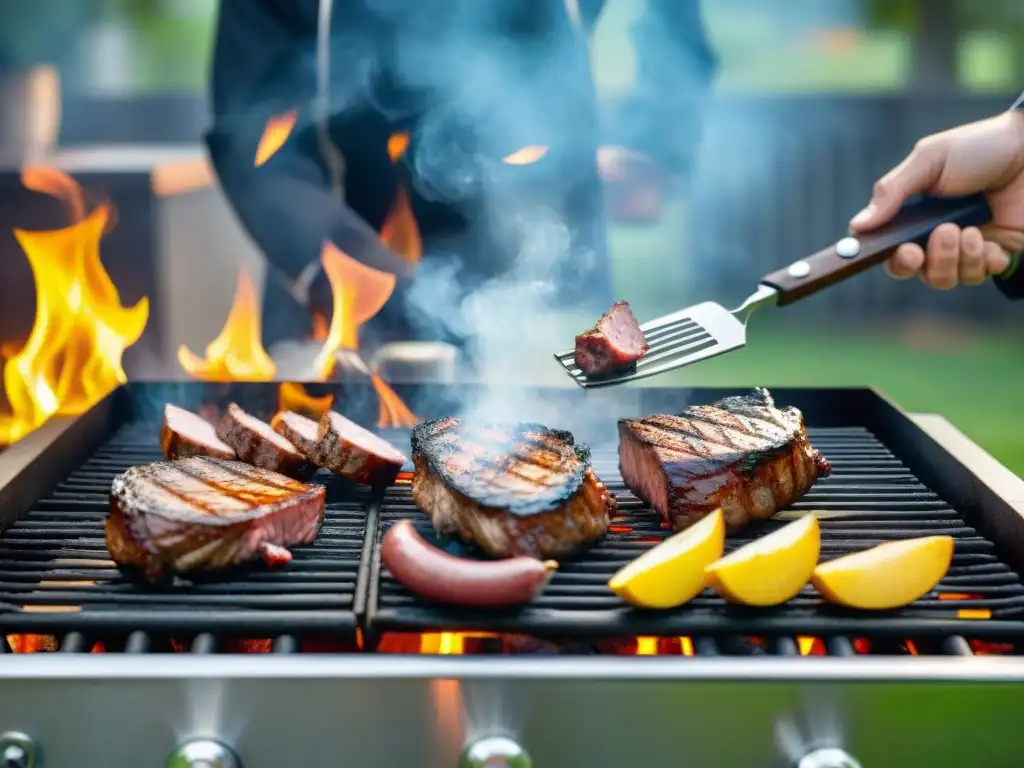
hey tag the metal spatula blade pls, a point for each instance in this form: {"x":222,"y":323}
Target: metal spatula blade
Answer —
{"x":709,"y":329}
{"x":684,"y":337}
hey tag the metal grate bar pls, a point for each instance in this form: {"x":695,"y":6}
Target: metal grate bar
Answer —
{"x":138,"y":642}
{"x":871,"y":497}
{"x":285,"y":644}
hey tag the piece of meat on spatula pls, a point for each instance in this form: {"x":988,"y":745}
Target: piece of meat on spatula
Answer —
{"x":185,"y":434}
{"x":616,"y":342}
{"x":518,"y":489}
{"x":205,"y":513}
{"x":741,"y":454}
{"x":257,"y":443}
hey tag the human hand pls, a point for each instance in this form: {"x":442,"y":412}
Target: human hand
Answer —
{"x":986,"y":156}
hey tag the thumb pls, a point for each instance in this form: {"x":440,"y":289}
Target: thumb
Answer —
{"x":918,"y":173}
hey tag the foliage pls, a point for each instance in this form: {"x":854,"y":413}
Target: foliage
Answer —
{"x":970,"y":14}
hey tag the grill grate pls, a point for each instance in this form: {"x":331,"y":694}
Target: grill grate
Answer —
{"x":870,"y":497}
{"x":56,"y":575}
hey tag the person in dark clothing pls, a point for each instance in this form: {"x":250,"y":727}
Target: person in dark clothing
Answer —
{"x":470,"y":82}
{"x":986,"y":156}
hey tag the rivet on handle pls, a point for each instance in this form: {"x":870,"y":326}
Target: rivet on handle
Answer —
{"x":799,"y":269}
{"x":848,"y":247}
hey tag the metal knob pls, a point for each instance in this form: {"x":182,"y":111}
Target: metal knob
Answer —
{"x":828,"y":757}
{"x":18,"y":750}
{"x":203,"y":753}
{"x":494,"y":752}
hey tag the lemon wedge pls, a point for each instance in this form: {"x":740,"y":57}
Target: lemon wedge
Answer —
{"x":890,"y":575}
{"x":772,"y":569}
{"x":672,"y":572}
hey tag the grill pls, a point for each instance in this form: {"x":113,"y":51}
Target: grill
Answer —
{"x":871,"y":497}
{"x":894,"y":476}
{"x":890,"y":480}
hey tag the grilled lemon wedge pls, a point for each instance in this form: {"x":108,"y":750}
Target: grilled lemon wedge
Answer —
{"x":890,"y":575}
{"x":672,"y":573}
{"x":772,"y":569}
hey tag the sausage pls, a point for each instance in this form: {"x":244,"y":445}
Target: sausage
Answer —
{"x":435,"y":575}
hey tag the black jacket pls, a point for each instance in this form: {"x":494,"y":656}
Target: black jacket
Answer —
{"x":470,"y":81}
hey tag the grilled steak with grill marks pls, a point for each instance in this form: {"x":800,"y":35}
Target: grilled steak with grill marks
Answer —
{"x":520,"y":489}
{"x":206,"y":513}
{"x":741,"y":454}
{"x":615,"y":342}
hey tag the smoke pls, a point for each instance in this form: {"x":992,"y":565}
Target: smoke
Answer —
{"x":482,"y":81}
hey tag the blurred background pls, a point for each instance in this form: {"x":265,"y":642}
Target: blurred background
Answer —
{"x":814,"y":99}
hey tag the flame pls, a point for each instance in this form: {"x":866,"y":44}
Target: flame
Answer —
{"x":811,"y":646}
{"x":237,"y":354}
{"x":393,"y":413}
{"x":320,"y":327}
{"x":647,"y":646}
{"x":370,"y":287}
{"x":397,"y":144}
{"x":292,"y":396}
{"x":31,"y":643}
{"x":73,"y":354}
{"x":399,"y":232}
{"x":526,"y":155}
{"x":275,"y":134}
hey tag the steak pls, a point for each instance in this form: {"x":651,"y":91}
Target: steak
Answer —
{"x":205,"y":513}
{"x":186,"y":434}
{"x":742,"y":454}
{"x":347,"y":449}
{"x":615,"y":342}
{"x":257,"y":443}
{"x":521,"y":489}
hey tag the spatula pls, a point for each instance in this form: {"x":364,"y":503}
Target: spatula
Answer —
{"x":709,"y":329}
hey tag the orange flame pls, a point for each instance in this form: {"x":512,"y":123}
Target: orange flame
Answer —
{"x":393,"y":413}
{"x":526,"y":155}
{"x":398,"y":143}
{"x":73,"y":354}
{"x":237,"y":354}
{"x":399,"y":232}
{"x":276,"y":133}
{"x":292,"y":396}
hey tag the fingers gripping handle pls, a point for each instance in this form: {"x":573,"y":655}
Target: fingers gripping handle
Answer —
{"x":852,"y":255}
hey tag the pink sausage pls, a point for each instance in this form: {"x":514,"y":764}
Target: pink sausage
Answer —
{"x":435,"y":575}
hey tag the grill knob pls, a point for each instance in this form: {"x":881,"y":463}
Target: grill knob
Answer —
{"x":829,"y":757}
{"x":203,"y":753}
{"x":494,"y":752}
{"x":19,"y":751}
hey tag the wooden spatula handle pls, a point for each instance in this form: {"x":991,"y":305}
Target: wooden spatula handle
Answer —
{"x":852,"y":255}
